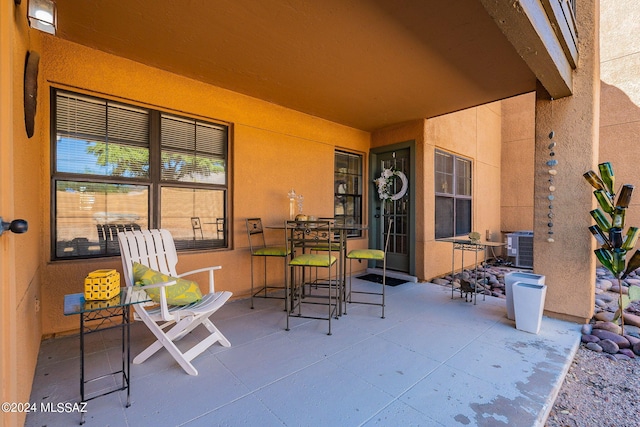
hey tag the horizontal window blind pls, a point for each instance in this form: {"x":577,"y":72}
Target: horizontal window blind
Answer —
{"x":80,"y":117}
{"x":193,"y":136}
{"x":99,"y":120}
{"x":192,"y":151}
{"x":100,"y":137}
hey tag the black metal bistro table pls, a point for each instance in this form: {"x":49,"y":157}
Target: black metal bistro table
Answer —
{"x":342,"y":230}
{"x":99,"y":316}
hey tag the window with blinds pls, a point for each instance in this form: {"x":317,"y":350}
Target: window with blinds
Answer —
{"x":120,"y":167}
{"x":348,"y":189}
{"x":453,"y":208}
{"x":98,"y":137}
{"x":192,"y":151}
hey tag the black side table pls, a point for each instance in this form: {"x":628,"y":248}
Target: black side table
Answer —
{"x":99,"y":316}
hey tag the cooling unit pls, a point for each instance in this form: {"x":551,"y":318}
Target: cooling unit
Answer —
{"x":520,"y":247}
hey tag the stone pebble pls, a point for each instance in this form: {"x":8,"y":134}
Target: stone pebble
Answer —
{"x":600,"y":303}
{"x":587,"y":338}
{"x":608,"y":346}
{"x":608,"y":326}
{"x":631,"y":319}
{"x":627,"y":352}
{"x":632,"y":340}
{"x":594,"y":347}
{"x":620,"y":356}
{"x":604,"y":284}
{"x":615,"y":288}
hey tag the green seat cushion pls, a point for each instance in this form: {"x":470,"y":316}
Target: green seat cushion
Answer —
{"x":366,"y":254}
{"x":313,"y":260}
{"x":184,"y":292}
{"x":325,"y":247}
{"x":272,"y":251}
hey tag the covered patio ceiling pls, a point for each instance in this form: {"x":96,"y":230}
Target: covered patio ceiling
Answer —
{"x":362,"y":63}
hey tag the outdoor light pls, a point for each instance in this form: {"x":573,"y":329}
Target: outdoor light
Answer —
{"x":42,"y":15}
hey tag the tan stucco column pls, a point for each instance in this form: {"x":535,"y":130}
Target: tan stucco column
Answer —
{"x":568,"y":263}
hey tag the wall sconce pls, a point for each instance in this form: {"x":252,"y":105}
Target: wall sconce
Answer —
{"x":43,"y":15}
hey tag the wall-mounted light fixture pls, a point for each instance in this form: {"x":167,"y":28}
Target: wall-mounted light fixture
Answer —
{"x":43,"y":15}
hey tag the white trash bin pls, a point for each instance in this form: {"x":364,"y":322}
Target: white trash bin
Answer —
{"x":518,"y":276}
{"x":528,"y":303}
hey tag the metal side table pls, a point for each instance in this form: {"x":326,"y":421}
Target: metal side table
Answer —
{"x":99,"y":316}
{"x":469,"y":246}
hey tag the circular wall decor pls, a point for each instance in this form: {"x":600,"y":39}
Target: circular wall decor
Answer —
{"x":30,"y":90}
{"x":405,"y":186}
{"x":385,"y":187}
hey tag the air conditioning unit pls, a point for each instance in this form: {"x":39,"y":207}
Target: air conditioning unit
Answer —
{"x":520,"y":247}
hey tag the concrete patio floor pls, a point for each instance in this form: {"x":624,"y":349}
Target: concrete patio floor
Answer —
{"x":433,"y":361}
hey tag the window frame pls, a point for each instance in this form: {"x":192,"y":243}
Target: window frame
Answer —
{"x":454,"y":196}
{"x":356,"y":194}
{"x":153,"y":182}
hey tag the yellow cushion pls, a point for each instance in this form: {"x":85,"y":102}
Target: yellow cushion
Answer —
{"x":313,"y":260}
{"x":272,"y":251}
{"x":366,"y":254}
{"x":325,"y":247}
{"x":184,"y":292}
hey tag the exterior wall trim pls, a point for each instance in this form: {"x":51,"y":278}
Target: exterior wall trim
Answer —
{"x":529,"y":29}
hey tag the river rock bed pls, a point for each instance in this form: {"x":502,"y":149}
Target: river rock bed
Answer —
{"x":490,"y":280}
{"x":603,"y":335}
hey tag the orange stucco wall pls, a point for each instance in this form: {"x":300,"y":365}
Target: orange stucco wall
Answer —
{"x":517,"y":168}
{"x":620,"y":94}
{"x":568,"y":262}
{"x":273,"y":149}
{"x":20,"y":255}
{"x":474,"y":133}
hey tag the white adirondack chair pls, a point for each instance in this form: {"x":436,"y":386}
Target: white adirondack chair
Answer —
{"x":156,"y":250}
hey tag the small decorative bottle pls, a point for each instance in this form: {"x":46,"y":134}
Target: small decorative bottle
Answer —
{"x":604,"y":201}
{"x":594,"y":180}
{"x":618,"y":217}
{"x":601,"y":220}
{"x":300,"y":203}
{"x":631,"y":239}
{"x":601,"y":238}
{"x":292,"y":199}
{"x":606,"y":173}
{"x":624,"y":198}
{"x":633,"y":264}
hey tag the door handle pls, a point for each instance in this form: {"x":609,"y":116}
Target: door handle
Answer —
{"x":376,"y":216}
{"x":17,"y":226}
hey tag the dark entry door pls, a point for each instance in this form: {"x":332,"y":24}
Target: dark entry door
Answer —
{"x":398,"y":207}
